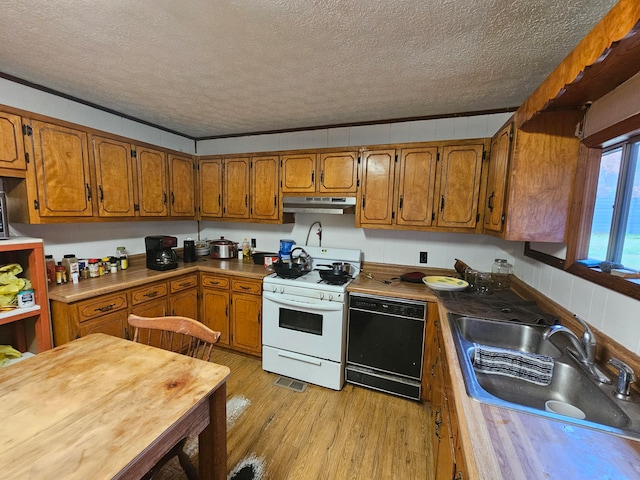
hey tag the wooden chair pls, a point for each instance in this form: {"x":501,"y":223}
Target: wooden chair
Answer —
{"x":182,"y":335}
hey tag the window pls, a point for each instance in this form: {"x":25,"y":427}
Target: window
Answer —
{"x":615,"y":229}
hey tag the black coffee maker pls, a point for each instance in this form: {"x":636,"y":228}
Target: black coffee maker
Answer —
{"x":160,"y":253}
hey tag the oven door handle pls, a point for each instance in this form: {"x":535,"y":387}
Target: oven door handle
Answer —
{"x":300,"y":358}
{"x":279,"y":298}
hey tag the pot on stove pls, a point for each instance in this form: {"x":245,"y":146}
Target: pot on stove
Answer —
{"x":337,"y":268}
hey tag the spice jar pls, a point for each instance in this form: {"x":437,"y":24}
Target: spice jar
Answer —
{"x":123,"y":258}
{"x":113,"y":265}
{"x":61,"y":274}
{"x":50,"y":265}
{"x":94,"y":268}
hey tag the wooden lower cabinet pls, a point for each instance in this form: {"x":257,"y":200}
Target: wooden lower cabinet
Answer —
{"x":245,"y":325}
{"x":246,"y":313}
{"x":228,"y":304}
{"x":449,"y":462}
{"x":214,"y":304}
{"x":183,"y":296}
{"x":112,"y":324}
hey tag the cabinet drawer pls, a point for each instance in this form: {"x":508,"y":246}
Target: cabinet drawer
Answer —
{"x":147,"y":293}
{"x":215,"y":281}
{"x":246,"y":286}
{"x":182,"y":283}
{"x":100,"y":306}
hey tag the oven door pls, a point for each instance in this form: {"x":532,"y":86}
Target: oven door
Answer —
{"x":304,"y":325}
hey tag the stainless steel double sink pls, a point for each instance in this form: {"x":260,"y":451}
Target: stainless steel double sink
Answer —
{"x":570,"y":384}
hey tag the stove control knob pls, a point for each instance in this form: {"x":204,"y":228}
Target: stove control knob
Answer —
{"x":331,"y":297}
{"x":321,"y":295}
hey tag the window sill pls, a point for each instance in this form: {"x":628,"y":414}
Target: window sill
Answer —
{"x":625,"y":286}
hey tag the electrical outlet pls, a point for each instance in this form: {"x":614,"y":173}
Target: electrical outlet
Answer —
{"x":423,"y":257}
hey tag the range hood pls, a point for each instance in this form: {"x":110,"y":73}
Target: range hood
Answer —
{"x":329,"y":205}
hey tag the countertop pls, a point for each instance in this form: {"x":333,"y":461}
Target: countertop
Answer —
{"x":498,"y":443}
{"x":138,"y":274}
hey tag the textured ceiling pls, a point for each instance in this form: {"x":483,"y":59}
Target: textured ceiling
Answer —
{"x":213,"y":68}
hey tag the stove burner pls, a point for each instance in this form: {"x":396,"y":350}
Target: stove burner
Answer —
{"x":336,"y":281}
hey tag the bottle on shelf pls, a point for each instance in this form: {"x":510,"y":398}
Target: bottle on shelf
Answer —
{"x":253,"y":246}
{"x":123,"y":258}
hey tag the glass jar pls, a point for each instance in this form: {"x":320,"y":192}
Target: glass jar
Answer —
{"x":61,"y":274}
{"x":500,"y":274}
{"x":113,"y":264}
{"x":123,"y":258}
{"x":50,"y":264}
{"x":94,"y":268}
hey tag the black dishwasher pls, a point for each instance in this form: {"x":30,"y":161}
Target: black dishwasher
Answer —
{"x":385,"y":344}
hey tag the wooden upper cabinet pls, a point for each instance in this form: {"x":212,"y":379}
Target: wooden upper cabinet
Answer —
{"x":11,"y":142}
{"x":415,"y":183}
{"x":61,"y":164}
{"x":210,"y":187}
{"x":114,"y":177}
{"x":494,"y":207}
{"x":326,"y":173}
{"x":152,"y":182}
{"x":182,"y":186}
{"x":236,"y":188}
{"x":539,"y":178}
{"x":338,"y":172}
{"x":299,"y":173}
{"x":375,"y":198}
{"x":459,"y":186}
{"x":265,"y":192}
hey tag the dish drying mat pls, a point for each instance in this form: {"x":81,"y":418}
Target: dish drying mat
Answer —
{"x":531,"y":367}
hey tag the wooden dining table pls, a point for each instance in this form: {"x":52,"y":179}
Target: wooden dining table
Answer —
{"x":101,"y":407}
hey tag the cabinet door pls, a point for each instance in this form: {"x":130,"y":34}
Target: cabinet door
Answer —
{"x":214,"y":312}
{"x":184,"y":304}
{"x":376,"y":193}
{"x":152,"y":182}
{"x":61,"y":161}
{"x":182,"y":186}
{"x":494,"y":208}
{"x":11,"y":142}
{"x":112,"y":324}
{"x":246,"y":328}
{"x":338,"y":172}
{"x":459,"y":186}
{"x":210,"y":191}
{"x":236,"y":193}
{"x":265,"y":191}
{"x":114,"y":177}
{"x":415,"y":185}
{"x":299,"y":173}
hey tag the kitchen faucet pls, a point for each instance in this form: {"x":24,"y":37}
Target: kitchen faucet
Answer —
{"x":585,"y":348}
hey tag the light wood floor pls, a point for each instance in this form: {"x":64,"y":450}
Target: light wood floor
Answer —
{"x":355,"y":433}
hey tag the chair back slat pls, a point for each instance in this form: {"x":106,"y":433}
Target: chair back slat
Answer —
{"x":175,"y":333}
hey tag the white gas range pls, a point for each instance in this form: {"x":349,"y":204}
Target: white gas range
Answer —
{"x":305,"y":321}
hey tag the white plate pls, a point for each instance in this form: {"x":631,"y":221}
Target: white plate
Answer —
{"x":451,"y":284}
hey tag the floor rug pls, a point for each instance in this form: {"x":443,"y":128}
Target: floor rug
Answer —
{"x":250,"y":468}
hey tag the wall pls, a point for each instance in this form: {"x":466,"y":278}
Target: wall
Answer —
{"x":614,"y":314}
{"x":26,"y":98}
